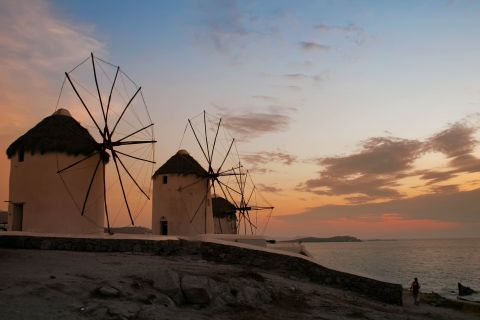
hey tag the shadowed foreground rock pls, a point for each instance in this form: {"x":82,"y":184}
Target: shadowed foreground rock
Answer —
{"x":47,"y":284}
{"x":464,"y":290}
{"x":285,"y":265}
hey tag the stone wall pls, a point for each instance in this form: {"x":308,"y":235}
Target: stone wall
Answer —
{"x":285,"y":265}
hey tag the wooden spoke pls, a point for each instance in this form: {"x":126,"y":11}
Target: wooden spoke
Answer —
{"x":131,"y":134}
{"x":225,"y":195}
{"x":84,"y":105}
{"x":98,"y":88}
{"x":90,"y":186}
{"x":200,"y":205}
{"x":226,"y":156}
{"x":123,"y":189}
{"x":127,"y":143}
{"x":130,"y":175}
{"x":215,"y":140}
{"x":206,"y":139}
{"x":198,"y":141}
{"x":78,"y":162}
{"x":125,"y":109}
{"x":133,"y":157}
{"x":228,"y":187}
{"x":110,"y":95}
{"x":105,"y":198}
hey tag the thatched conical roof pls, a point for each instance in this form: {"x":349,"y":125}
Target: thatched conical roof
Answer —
{"x":223,"y":208}
{"x":181,"y":163}
{"x":58,"y":133}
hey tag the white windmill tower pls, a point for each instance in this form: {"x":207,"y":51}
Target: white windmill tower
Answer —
{"x":38,"y":199}
{"x":59,"y":180}
{"x":184,"y":188}
{"x":224,"y":214}
{"x":179,"y":186}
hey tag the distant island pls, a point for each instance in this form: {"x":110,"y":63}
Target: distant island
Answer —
{"x":330,"y":239}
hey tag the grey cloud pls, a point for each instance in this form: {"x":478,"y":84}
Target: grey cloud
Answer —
{"x":359,"y":199}
{"x":373,"y":173}
{"x":268,"y":157}
{"x":462,"y":164}
{"x":433,"y":176}
{"x":294,"y":88}
{"x":366,"y":185}
{"x":260,"y":170}
{"x":465,"y":163}
{"x":378,"y":156}
{"x":445,"y":206}
{"x":447,"y":189}
{"x":346,"y":28}
{"x":313,"y":46}
{"x":455,"y":141}
{"x":252,"y":124}
{"x":224,"y":26}
{"x":230,"y":27}
{"x":264,"y":98}
{"x":302,"y":76}
{"x":370,"y":173}
{"x":351,"y":31}
{"x":374,"y":170}
{"x":270,"y":189}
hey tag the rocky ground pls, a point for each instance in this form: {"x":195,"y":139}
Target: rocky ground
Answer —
{"x":43,"y":284}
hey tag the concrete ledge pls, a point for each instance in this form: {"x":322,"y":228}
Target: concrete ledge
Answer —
{"x":289,"y":265}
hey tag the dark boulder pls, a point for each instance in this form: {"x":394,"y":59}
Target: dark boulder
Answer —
{"x":465,"y":291}
{"x":107,"y":292}
{"x":196,"y":289}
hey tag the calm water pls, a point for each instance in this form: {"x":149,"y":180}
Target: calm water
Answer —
{"x":438,"y":264}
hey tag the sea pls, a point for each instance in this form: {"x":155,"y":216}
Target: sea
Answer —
{"x":439,"y":264}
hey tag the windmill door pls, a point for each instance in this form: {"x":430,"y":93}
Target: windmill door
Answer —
{"x":17,"y":221}
{"x":164,"y":227}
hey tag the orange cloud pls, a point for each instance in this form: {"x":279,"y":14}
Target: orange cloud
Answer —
{"x":36,"y":48}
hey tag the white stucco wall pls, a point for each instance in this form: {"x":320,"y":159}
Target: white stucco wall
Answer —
{"x":177,"y":201}
{"x":48,"y":205}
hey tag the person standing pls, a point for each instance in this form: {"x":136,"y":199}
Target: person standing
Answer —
{"x":415,"y":288}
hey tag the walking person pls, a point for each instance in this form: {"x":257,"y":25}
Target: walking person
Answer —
{"x":415,"y":288}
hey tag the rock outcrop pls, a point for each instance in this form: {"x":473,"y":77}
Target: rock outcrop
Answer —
{"x":132,"y":286}
{"x":464,"y":290}
{"x":285,"y":265}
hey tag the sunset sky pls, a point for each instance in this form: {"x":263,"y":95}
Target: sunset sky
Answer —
{"x":356,"y":117}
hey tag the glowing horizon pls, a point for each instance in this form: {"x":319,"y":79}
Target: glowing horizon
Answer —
{"x":357,"y":119}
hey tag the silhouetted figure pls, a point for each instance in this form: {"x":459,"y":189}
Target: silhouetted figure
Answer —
{"x":415,"y":288}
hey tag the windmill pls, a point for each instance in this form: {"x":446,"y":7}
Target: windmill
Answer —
{"x":225,"y":176}
{"x":249,"y":204}
{"x":112,"y":107}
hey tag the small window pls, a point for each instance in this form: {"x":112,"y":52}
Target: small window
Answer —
{"x":165,"y":179}
{"x":21,"y":155}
